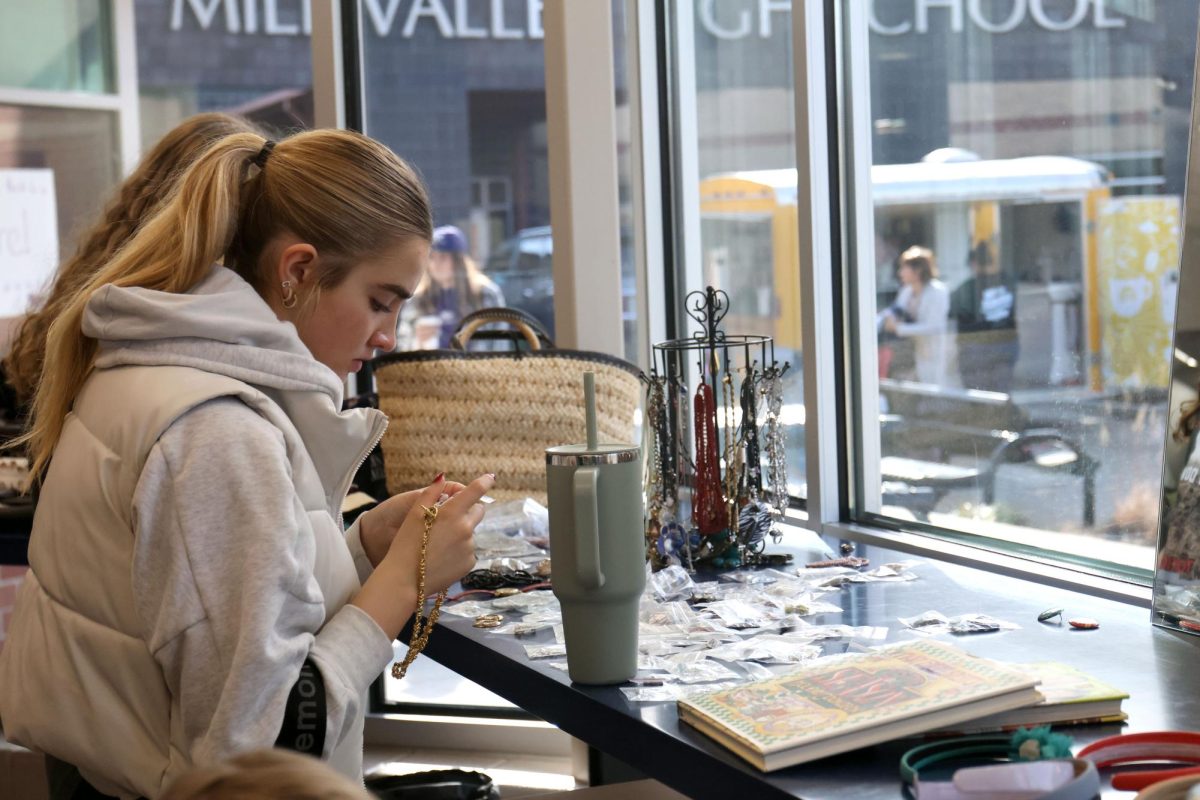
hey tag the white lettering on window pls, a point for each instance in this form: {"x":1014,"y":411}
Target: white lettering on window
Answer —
{"x":242,"y":16}
{"x":250,"y":16}
{"x":975,"y":12}
{"x":205,"y":13}
{"x":428,"y":8}
{"x":381,"y":19}
{"x":709,"y":20}
{"x":876,"y":26}
{"x":956,"y":14}
{"x":498,"y":29}
{"x":533,"y":14}
{"x":271,"y":23}
{"x":765,"y":9}
{"x":1102,"y":20}
{"x":1041,"y":18}
{"x":461,"y":26}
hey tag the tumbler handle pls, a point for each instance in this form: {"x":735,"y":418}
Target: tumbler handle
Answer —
{"x":587,"y":528}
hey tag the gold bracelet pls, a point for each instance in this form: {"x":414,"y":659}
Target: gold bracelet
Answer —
{"x":421,"y":626}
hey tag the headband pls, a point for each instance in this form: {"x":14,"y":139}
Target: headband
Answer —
{"x":995,"y":762}
{"x":1177,"y":747}
{"x":260,"y":160}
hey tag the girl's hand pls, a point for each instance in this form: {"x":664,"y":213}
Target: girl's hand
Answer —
{"x":378,"y":526}
{"x":451,"y":550}
{"x":390,"y":595}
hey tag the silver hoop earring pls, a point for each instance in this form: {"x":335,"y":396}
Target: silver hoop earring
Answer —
{"x":289,"y":295}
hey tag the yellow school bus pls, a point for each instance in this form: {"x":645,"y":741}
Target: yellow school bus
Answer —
{"x":1078,"y":255}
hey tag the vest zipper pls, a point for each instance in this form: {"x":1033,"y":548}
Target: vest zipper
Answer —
{"x":363,"y":456}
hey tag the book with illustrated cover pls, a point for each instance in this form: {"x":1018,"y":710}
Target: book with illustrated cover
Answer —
{"x":1071,"y":697}
{"x":846,"y":702}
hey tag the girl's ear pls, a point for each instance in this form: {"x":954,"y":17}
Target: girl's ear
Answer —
{"x":297,"y":263}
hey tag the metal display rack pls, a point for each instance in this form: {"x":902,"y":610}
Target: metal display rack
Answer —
{"x":717,"y":473}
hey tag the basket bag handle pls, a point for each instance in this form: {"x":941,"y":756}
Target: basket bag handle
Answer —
{"x":526,"y":324}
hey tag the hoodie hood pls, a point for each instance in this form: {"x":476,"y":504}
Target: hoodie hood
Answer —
{"x":224,"y":327}
{"x":221,"y":326}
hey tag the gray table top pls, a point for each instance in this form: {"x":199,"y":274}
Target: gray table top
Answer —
{"x":1159,"y":668}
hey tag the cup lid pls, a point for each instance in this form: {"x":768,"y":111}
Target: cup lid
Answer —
{"x":574,"y":455}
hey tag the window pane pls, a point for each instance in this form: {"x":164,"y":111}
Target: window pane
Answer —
{"x":1028,"y":164}
{"x":458,"y":89}
{"x":78,"y":148}
{"x":60,"y":45}
{"x":623,"y":45}
{"x":252,"y":59}
{"x":741,"y":57}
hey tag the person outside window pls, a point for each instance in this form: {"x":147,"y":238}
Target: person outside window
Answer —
{"x":919,"y":313}
{"x":984,"y":309}
{"x":453,"y":287}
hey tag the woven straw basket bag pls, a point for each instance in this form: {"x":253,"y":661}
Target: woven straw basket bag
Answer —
{"x":467,"y":413}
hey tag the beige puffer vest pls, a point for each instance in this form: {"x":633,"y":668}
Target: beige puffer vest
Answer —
{"x":77,"y":650}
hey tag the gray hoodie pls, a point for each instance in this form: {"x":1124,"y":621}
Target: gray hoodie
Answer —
{"x":187,"y":598}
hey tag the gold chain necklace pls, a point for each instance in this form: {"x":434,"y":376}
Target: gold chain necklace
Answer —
{"x":421,"y":626}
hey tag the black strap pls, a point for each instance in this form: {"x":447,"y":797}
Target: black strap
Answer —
{"x":303,"y":727}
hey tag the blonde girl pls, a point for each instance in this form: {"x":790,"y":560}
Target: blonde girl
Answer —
{"x":191,"y":592}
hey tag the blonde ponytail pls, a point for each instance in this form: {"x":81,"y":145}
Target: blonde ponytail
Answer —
{"x":171,"y":252}
{"x":131,"y":206}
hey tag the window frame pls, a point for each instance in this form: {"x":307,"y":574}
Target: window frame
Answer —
{"x":123,"y":103}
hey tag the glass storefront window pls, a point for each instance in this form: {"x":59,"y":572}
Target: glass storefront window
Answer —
{"x":1014,"y":389}
{"x":625,"y":177}
{"x":252,"y":59}
{"x":458,"y":89}
{"x":78,"y":147}
{"x":1027,"y":166}
{"x":57,"y":45}
{"x":744,"y":184}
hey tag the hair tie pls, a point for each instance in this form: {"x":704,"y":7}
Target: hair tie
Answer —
{"x":260,"y":160}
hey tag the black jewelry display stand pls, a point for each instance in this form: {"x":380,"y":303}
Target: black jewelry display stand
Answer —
{"x":703,"y":508}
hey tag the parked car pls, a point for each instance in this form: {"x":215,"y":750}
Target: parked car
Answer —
{"x":522,"y":267}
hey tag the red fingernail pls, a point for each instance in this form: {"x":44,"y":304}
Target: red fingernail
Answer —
{"x":441,"y":476}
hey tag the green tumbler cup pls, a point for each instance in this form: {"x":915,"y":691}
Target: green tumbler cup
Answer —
{"x":598,"y":552}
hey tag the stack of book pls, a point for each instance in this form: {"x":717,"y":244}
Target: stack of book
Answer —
{"x":847,"y":702}
{"x":1069,"y":697}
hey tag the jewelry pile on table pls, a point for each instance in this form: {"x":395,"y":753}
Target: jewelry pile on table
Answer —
{"x":697,"y":636}
{"x":693,"y":637}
